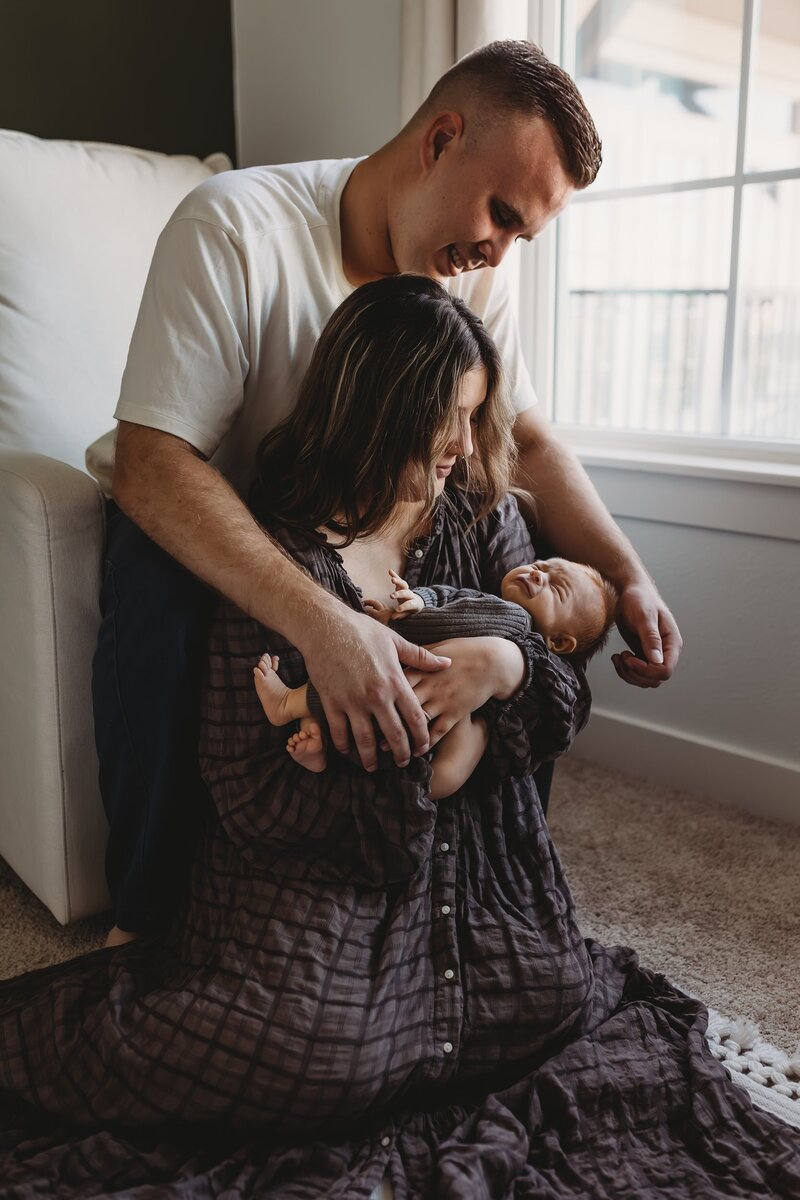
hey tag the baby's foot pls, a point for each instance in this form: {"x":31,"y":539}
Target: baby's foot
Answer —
{"x":271,"y":692}
{"x":308,"y":749}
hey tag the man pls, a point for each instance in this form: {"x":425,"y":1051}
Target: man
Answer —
{"x":244,"y":277}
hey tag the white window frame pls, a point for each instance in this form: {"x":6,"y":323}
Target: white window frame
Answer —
{"x":757,"y":461}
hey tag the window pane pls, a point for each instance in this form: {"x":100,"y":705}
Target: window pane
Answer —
{"x":766,"y":399}
{"x":773,"y":110}
{"x":641,"y":343}
{"x":661,"y":79}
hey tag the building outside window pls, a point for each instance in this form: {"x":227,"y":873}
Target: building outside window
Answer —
{"x":677,"y":274}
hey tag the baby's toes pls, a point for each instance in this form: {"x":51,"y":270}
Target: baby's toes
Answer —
{"x":308,"y":749}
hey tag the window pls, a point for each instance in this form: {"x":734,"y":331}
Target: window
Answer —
{"x":677,"y":274}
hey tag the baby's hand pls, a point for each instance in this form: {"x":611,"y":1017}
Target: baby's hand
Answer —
{"x":381,"y":612}
{"x":407,"y":601}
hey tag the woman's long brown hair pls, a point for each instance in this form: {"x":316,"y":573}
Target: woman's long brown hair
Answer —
{"x":377,"y":407}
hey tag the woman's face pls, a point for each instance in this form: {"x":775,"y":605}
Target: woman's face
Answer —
{"x":472,"y":394}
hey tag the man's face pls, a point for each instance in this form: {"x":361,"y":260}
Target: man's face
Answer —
{"x":471,"y":201}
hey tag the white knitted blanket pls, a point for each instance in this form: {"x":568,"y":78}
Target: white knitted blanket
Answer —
{"x":770,"y":1076}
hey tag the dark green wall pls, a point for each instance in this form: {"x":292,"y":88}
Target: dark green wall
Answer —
{"x":155,"y":74}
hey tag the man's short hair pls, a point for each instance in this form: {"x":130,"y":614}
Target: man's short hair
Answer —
{"x":516,"y":76}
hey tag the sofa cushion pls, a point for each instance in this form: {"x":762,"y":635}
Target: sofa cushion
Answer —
{"x":78,"y":225}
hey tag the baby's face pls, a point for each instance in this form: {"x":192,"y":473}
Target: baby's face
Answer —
{"x":560,"y":596}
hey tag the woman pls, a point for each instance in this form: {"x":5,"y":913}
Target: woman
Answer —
{"x":364,"y":980}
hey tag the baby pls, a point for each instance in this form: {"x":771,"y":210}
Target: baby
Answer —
{"x":570,"y":604}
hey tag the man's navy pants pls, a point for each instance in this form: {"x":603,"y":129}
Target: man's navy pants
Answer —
{"x":146,"y":693}
{"x":146,"y":681}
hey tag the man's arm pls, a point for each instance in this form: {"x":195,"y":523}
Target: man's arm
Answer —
{"x":574,"y":520}
{"x":182,"y":503}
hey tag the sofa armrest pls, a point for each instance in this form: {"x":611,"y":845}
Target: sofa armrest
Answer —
{"x":52,"y":826}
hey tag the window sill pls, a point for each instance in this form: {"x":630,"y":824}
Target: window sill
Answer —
{"x":741,"y":470}
{"x":724,"y":462}
{"x":736,"y":495}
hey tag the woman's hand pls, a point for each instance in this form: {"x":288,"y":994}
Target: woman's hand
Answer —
{"x":482,"y":668}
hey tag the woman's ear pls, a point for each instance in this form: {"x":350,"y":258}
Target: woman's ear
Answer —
{"x":561,"y":643}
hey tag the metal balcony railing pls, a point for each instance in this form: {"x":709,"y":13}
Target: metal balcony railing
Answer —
{"x":651,"y":359}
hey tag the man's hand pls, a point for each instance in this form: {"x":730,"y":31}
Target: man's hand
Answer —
{"x":650,"y":630}
{"x":482,"y":667}
{"x":357,"y":668}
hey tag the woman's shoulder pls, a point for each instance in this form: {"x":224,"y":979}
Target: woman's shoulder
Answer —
{"x":302,"y":544}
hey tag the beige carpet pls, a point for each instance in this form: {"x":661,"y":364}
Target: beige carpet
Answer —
{"x":708,"y":895}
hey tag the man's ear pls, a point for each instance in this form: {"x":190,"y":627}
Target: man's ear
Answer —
{"x":562,"y":643}
{"x":445,"y":129}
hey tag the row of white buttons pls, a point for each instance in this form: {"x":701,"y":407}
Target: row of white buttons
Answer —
{"x":448,"y":974}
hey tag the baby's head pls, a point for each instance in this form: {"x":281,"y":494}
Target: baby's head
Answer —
{"x":571,"y":604}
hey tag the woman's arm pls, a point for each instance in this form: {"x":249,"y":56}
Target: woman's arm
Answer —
{"x":533,"y":716}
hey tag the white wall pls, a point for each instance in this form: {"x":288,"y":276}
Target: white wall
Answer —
{"x":315,"y":78}
{"x":726,"y":556}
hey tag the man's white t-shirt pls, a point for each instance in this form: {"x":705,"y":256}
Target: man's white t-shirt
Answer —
{"x":244,"y":277}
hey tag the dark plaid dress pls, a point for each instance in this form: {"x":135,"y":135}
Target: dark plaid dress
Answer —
{"x":366,"y":981}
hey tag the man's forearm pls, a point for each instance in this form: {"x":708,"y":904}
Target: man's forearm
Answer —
{"x":200,"y":520}
{"x":570,"y":514}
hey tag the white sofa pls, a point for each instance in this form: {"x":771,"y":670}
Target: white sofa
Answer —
{"x":78,"y":224}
